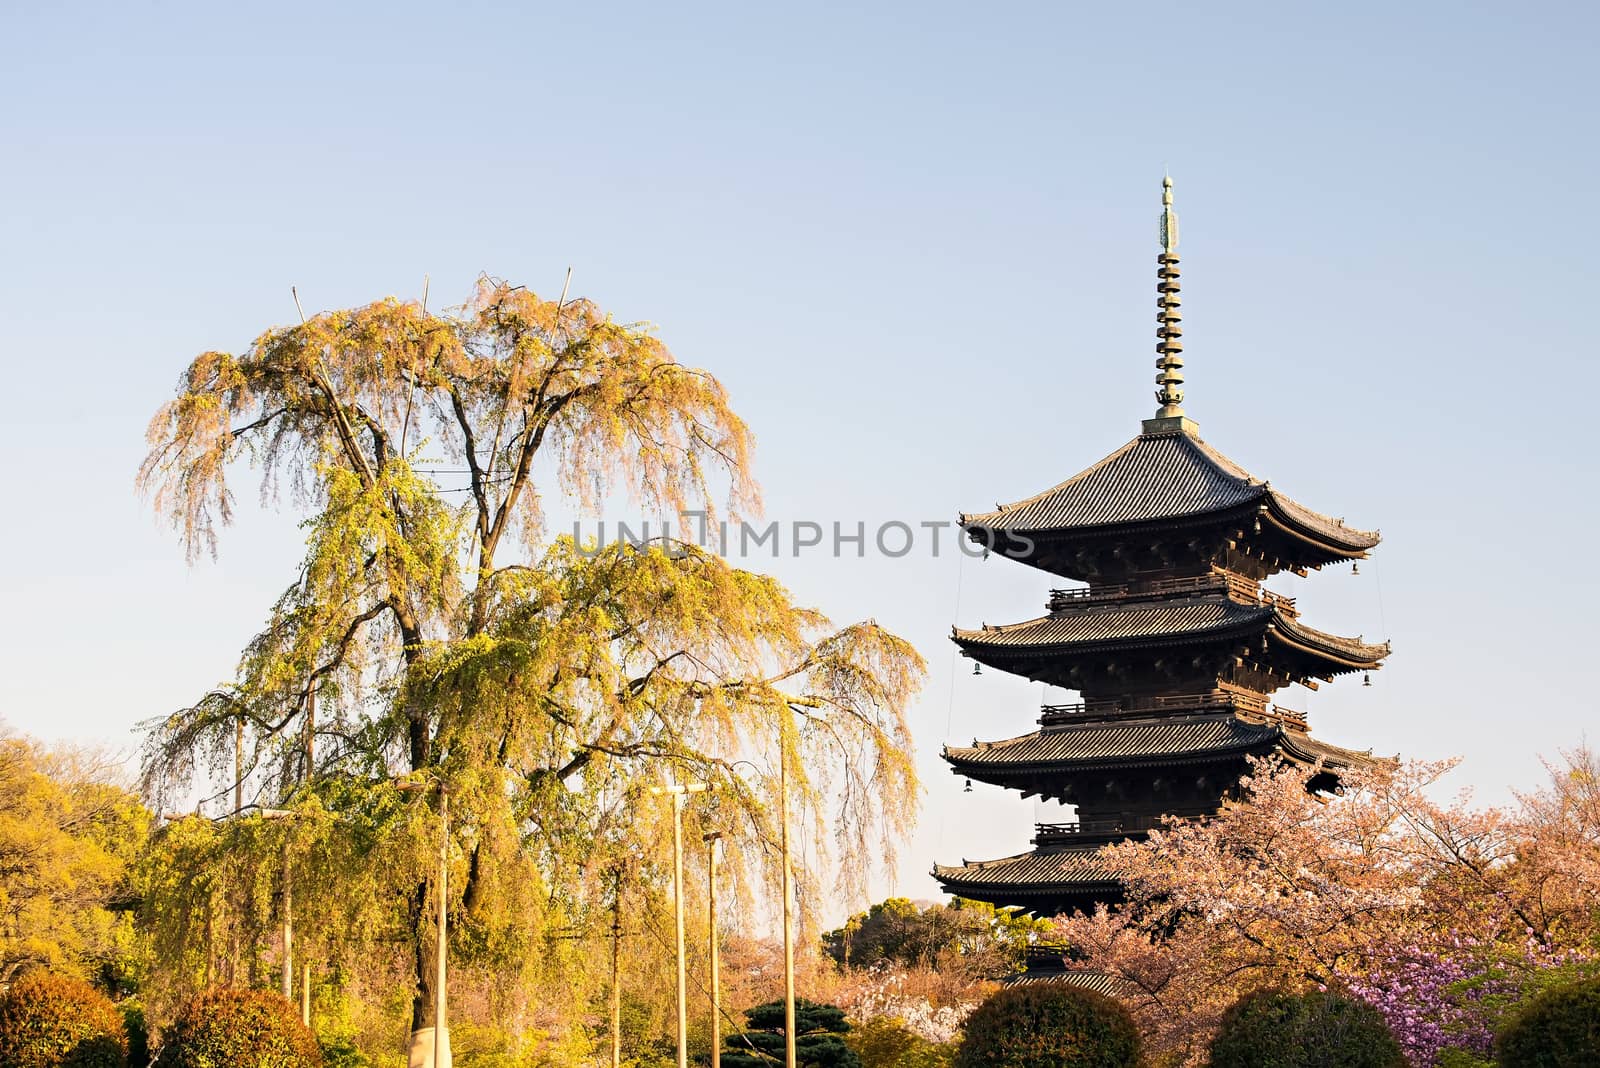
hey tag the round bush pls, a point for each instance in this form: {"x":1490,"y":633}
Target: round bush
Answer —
{"x":48,"y":1021}
{"x":884,"y":1042}
{"x":1316,"y":1029}
{"x":1049,"y":1025}
{"x":1557,"y":1029}
{"x":237,"y":1028}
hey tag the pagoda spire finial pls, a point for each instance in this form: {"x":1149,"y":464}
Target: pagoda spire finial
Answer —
{"x":1169,"y":327}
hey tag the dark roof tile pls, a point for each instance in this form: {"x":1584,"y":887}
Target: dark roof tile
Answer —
{"x":1176,"y":620}
{"x":1157,"y":477}
{"x":1146,"y":741}
{"x":1102,"y":623}
{"x":1038,"y":867}
{"x":1110,"y":986}
{"x":1092,"y":743}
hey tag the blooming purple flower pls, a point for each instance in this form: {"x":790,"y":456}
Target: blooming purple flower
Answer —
{"x":1436,"y":1001}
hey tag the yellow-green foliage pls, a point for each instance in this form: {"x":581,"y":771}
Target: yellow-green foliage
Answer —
{"x":434,"y":631}
{"x":231,"y":1028}
{"x":67,"y":835}
{"x":50,"y":1021}
{"x":971,"y":939}
{"x":888,"y":1043}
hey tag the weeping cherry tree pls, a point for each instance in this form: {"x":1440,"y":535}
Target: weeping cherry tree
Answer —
{"x":435,"y":632}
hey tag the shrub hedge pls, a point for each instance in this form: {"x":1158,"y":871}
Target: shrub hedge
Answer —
{"x":225,"y":1028}
{"x":1314,"y":1029}
{"x":1560,"y":1028}
{"x":818,"y":1031}
{"x":1049,"y":1025}
{"x":50,"y":1021}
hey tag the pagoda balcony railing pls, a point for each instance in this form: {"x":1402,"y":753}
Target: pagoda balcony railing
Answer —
{"x":1240,"y":700}
{"x":1236,"y":587}
{"x":1295,"y":721}
{"x":1045,"y":956}
{"x":1252,"y":706}
{"x":1057,"y":833}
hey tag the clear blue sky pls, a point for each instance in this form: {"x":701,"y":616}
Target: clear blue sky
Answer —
{"x":917,"y":245}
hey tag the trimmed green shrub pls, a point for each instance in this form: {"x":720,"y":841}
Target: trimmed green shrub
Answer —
{"x":1049,"y":1025}
{"x":342,"y":1052}
{"x":887,"y":1043}
{"x":1315,"y":1029}
{"x":49,"y":1021}
{"x":818,"y":1038}
{"x":1560,"y":1028}
{"x":237,"y":1028}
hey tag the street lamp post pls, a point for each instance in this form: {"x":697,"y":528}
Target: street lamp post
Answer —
{"x":288,"y":931}
{"x":786,"y":728}
{"x":440,"y":1026}
{"x":288,"y":905}
{"x":616,"y":972}
{"x":788,"y":893}
{"x":288,"y":909}
{"x":679,"y":793}
{"x":711,"y":841}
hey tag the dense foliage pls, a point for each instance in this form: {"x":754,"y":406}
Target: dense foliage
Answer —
{"x":68,"y":833}
{"x":1049,"y":1025}
{"x":51,"y":1021}
{"x":1312,"y":1029}
{"x":1560,"y":1028}
{"x":819,"y":1037}
{"x":226,"y":1028}
{"x":971,"y":937}
{"x":888,"y":1043}
{"x":435,"y":630}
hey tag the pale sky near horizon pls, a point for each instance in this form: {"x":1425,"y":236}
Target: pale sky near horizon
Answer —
{"x":916,"y":243}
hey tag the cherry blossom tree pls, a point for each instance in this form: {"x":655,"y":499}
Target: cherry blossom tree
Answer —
{"x":1438,"y":912}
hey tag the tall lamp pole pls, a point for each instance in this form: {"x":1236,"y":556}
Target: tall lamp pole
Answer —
{"x":788,"y":894}
{"x":288,"y":905}
{"x":680,"y":792}
{"x":439,"y":1025}
{"x":712,"y":841}
{"x":786,"y":728}
{"x":311,"y":735}
{"x":288,"y":902}
{"x":616,"y":973}
{"x":288,"y":931}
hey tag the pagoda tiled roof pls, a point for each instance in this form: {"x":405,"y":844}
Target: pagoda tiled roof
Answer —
{"x":1162,"y":623}
{"x":1044,"y":871}
{"x":1110,"y":986}
{"x":1147,"y":741}
{"x":1162,"y":477}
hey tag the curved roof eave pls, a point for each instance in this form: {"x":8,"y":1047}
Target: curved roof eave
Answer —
{"x":1160,"y":479}
{"x":1291,"y":518}
{"x":1353,"y":652}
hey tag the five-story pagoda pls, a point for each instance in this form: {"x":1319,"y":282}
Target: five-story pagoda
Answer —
{"x":1173,"y":644}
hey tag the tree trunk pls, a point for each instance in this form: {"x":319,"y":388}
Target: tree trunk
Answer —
{"x":422,"y":1000}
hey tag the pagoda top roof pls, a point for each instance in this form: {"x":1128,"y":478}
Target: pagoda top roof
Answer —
{"x":1162,"y":623}
{"x":1147,"y":741}
{"x":1161,"y":477}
